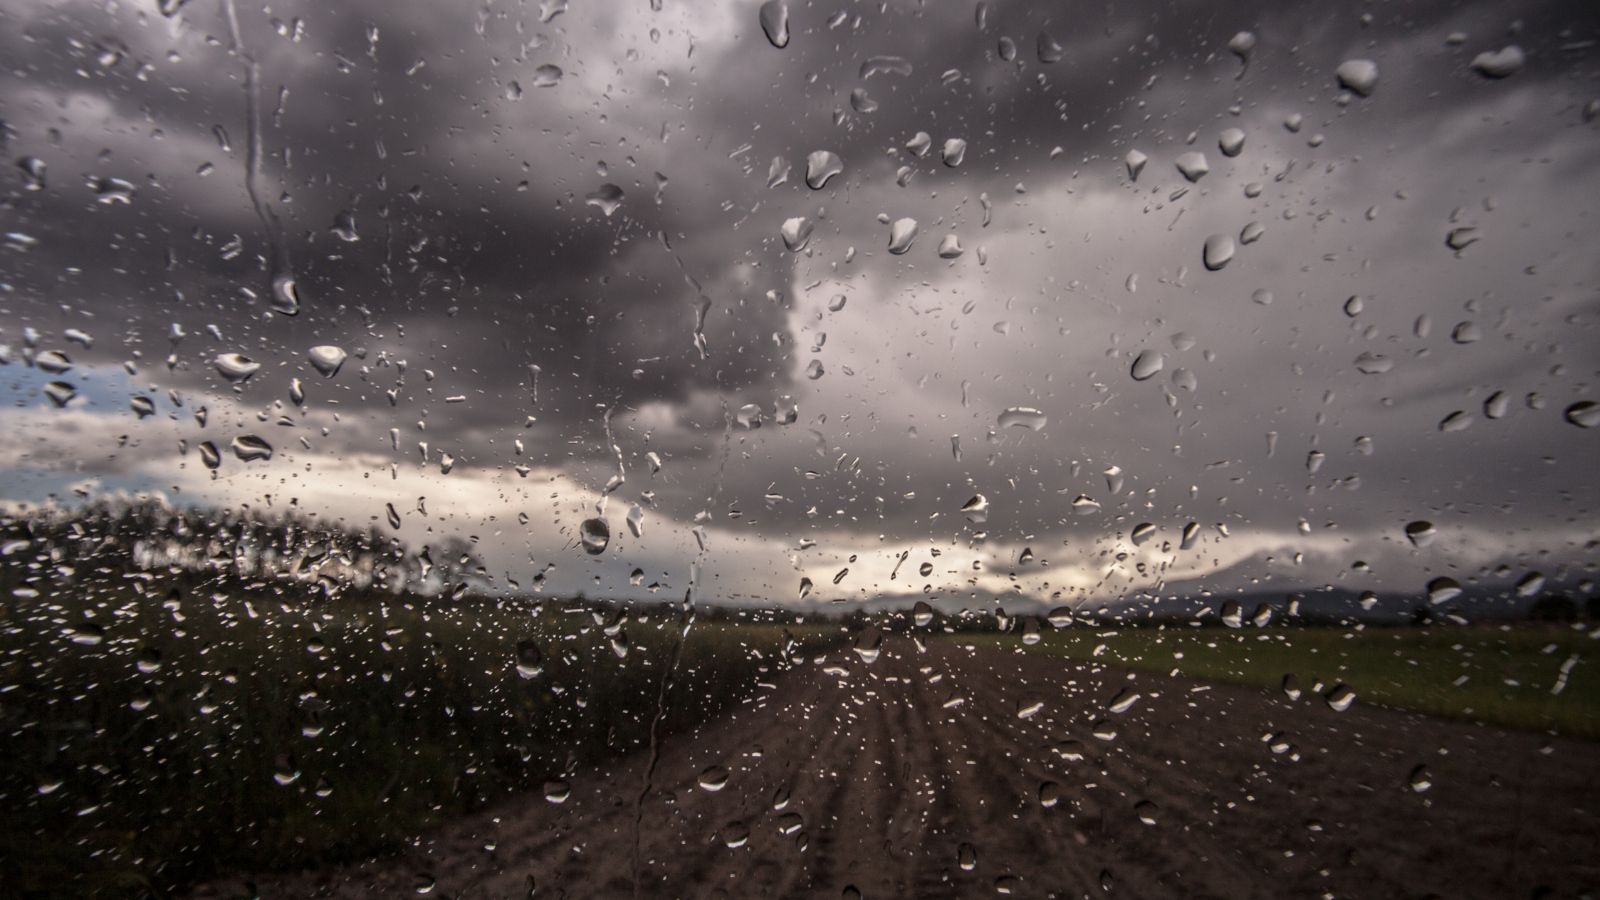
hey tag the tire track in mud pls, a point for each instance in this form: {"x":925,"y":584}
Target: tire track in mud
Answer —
{"x":886,"y":783}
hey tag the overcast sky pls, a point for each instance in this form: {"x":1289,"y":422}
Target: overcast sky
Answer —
{"x":485,"y":300}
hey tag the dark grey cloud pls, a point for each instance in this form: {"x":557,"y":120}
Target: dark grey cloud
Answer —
{"x":479,"y":259}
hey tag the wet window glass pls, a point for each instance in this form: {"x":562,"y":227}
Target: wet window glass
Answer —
{"x":643,"y":448}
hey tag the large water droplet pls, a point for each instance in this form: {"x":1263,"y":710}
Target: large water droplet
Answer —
{"x":1218,"y":251}
{"x":547,"y":75}
{"x":775,"y":22}
{"x":1358,"y":75}
{"x":1499,"y":63}
{"x":249,"y":448}
{"x":1192,"y":165}
{"x":977,"y":509}
{"x":530,"y":662}
{"x":1147,"y":364}
{"x":1135,"y":162}
{"x":1584,"y":414}
{"x":953,"y":152}
{"x":1022,"y":417}
{"x":236,"y":367}
{"x":1421,"y":533}
{"x":901,"y":234}
{"x":344,"y":226}
{"x":326,"y":359}
{"x":1231,"y":142}
{"x":607,"y":198}
{"x":594,"y":534}
{"x":950,"y":247}
{"x":1443,"y":589}
{"x":285,"y":295}
{"x":796,"y":233}
{"x":821,"y":166}
{"x":1049,"y":50}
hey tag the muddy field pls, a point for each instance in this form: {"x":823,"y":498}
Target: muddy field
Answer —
{"x":963,"y":772}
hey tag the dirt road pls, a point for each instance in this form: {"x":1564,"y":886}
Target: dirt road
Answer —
{"x":876,"y":777}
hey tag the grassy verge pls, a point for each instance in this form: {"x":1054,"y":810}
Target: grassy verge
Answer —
{"x":160,"y":730}
{"x":1497,"y":675}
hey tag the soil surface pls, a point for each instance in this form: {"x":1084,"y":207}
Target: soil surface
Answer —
{"x":873,"y":776}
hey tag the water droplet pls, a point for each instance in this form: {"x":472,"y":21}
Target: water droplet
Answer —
{"x":814,"y":369}
{"x":1420,"y":780}
{"x":1421,"y":533}
{"x":530,"y":662}
{"x":1261,"y":296}
{"x":326,"y":359}
{"x":953,"y":152}
{"x":1290,"y":686}
{"x":796,"y":233}
{"x":1147,"y":364}
{"x":249,"y":448}
{"x":344,"y":226}
{"x":1022,"y":417}
{"x":33,"y":173}
{"x":1218,"y":251}
{"x":1314,"y":461}
{"x":547,"y":75}
{"x":821,"y":166}
{"x":1007,"y":49}
{"x":1369,"y":363}
{"x":777,"y":171}
{"x":920,"y":143}
{"x":1049,"y":794}
{"x":1459,"y":239}
{"x":921,"y":612}
{"x":1142,"y":532}
{"x":1339,"y":698}
{"x":868,"y":645}
{"x":1496,"y":405}
{"x":885,"y":65}
{"x":950,"y":247}
{"x":1242,"y":44}
{"x":235,"y":367}
{"x":557,"y":791}
{"x":607,"y":198}
{"x":113,"y":190}
{"x":775,"y":22}
{"x":88,"y":634}
{"x":977,"y":509}
{"x":209,"y":455}
{"x":285,"y":295}
{"x":1460,"y":420}
{"x":52,"y":362}
{"x":713,"y":779}
{"x":1135,"y":162}
{"x":594,"y":534}
{"x":1146,"y":811}
{"x":1358,"y":75}
{"x":967,"y":857}
{"x":1466,"y":333}
{"x":901,"y":234}
{"x":1584,"y":414}
{"x":1499,"y":63}
{"x":1049,"y":49}
{"x":1192,"y":165}
{"x":1443,"y":589}
{"x":1231,"y":141}
{"x":392,"y":514}
{"x":1530,"y":584}
{"x":142,"y":406}
{"x":1124,"y":701}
